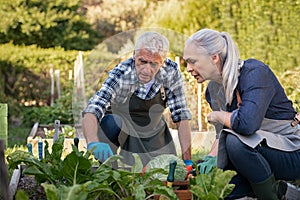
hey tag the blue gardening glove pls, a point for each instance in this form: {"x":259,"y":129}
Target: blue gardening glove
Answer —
{"x":209,"y":162}
{"x":188,"y":163}
{"x":189,"y":166}
{"x":100,"y":150}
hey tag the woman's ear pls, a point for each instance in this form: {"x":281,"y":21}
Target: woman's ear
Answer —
{"x":216,"y":58}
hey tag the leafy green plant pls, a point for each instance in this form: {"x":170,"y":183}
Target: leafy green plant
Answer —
{"x":163,"y":161}
{"x":61,"y":110}
{"x":133,"y":184}
{"x":67,"y":130}
{"x":52,"y":169}
{"x":75,"y":178}
{"x":213,"y":185}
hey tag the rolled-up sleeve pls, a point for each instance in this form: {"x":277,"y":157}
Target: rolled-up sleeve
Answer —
{"x":99,"y":103}
{"x":176,"y":98}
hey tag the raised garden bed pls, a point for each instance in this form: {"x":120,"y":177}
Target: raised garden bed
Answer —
{"x":26,"y":183}
{"x":181,"y":189}
{"x":38,"y":132}
{"x":35,"y":191}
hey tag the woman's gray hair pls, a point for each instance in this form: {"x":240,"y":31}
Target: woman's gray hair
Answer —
{"x":221,"y":43}
{"x":153,"y":42}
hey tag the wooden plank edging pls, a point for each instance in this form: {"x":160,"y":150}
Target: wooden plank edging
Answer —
{"x":14,"y":182}
{"x":34,"y":130}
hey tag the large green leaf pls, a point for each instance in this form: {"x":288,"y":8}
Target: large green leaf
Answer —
{"x":75,"y":192}
{"x":138,"y":165}
{"x":76,"y":169}
{"x":21,"y":195}
{"x":51,"y":191}
{"x":214,"y":185}
{"x":165,"y":191}
{"x":139,"y":192}
{"x":36,"y":167}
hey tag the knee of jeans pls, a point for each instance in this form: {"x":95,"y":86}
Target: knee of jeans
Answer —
{"x":111,"y":126}
{"x":234,"y":146}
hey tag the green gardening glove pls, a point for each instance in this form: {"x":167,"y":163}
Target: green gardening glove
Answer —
{"x":209,"y":162}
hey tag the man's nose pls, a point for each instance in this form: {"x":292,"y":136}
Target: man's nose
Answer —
{"x":147,"y":67}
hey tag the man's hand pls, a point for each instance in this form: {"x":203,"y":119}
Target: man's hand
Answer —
{"x":209,"y":162}
{"x":101,"y":150}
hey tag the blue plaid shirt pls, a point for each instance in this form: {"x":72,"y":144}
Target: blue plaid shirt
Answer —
{"x":122,"y":81}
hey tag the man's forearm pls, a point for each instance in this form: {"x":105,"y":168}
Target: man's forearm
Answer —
{"x":90,"y":128}
{"x":184,"y":135}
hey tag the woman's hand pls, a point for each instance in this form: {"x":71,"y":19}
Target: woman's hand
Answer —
{"x":221,"y":117}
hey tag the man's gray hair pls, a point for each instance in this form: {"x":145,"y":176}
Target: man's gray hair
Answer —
{"x":221,"y":43}
{"x":153,"y":42}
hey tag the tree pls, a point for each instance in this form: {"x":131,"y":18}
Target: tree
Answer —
{"x":111,"y":17}
{"x":47,"y":23}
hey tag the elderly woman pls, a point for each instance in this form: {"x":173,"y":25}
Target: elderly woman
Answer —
{"x":260,"y":138}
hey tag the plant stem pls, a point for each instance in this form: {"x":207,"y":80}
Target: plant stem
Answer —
{"x":75,"y":174}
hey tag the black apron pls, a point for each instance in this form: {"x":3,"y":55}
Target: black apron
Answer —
{"x":144,"y":130}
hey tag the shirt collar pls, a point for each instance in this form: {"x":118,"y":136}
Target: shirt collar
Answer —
{"x":162,"y":74}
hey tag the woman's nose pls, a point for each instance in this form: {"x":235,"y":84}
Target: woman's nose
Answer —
{"x":189,"y":68}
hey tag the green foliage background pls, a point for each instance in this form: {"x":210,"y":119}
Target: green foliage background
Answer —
{"x":25,"y":77}
{"x":47,"y":24}
{"x":267,"y":30}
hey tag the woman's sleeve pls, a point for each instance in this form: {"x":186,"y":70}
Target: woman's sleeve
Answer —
{"x":256,"y":89}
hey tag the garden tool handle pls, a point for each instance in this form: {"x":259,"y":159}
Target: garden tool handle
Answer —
{"x":76,"y":141}
{"x":170,"y":177}
{"x":40,"y":148}
{"x":29,"y":147}
{"x":56,"y":129}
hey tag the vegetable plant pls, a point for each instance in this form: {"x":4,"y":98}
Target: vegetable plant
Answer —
{"x":214,"y":185}
{"x":163,"y":161}
{"x":67,"y":130}
{"x":75,"y":177}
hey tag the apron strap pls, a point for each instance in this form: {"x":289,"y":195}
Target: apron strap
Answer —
{"x":239,"y":99}
{"x":296,"y":120}
{"x":162,"y":93}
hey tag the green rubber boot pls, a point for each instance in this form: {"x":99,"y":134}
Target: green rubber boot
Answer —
{"x":270,"y":189}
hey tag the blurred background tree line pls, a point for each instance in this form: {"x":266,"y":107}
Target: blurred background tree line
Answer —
{"x":37,"y":35}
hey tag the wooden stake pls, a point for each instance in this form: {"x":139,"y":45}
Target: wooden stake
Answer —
{"x":52,"y":86}
{"x":57,"y":75}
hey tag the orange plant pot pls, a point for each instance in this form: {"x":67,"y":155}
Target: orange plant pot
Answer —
{"x":181,"y":189}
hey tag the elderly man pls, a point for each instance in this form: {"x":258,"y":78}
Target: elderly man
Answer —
{"x":127,"y":111}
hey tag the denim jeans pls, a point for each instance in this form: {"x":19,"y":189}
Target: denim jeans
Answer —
{"x":111,"y":127}
{"x":258,"y":164}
